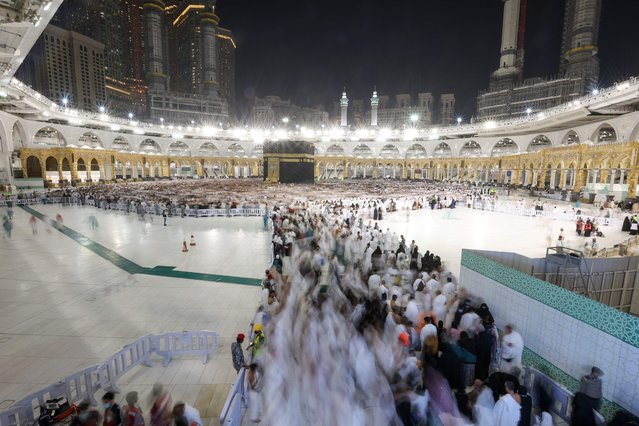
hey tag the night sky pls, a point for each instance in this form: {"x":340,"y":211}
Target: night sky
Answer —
{"x":307,"y":50}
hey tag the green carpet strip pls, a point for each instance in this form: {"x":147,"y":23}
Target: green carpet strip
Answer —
{"x":132,"y":267}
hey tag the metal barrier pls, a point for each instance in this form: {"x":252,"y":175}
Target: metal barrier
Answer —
{"x":236,"y":401}
{"x":86,"y":383}
{"x":185,"y":343}
{"x":175,"y":211}
{"x":118,"y":364}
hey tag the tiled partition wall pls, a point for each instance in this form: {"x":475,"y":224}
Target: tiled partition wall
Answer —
{"x":564,"y":333}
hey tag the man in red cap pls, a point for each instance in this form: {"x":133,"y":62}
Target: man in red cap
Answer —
{"x":237,"y":353}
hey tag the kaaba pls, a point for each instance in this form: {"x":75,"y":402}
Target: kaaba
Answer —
{"x":289,"y":162}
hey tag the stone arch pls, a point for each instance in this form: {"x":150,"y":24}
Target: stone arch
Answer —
{"x":150,"y":146}
{"x":49,"y":136}
{"x":471,"y":149}
{"x":442,"y":150}
{"x":570,"y":138}
{"x":416,"y":150}
{"x":236,"y":149}
{"x":66,"y":167}
{"x":81,"y":165}
{"x":334,"y":150}
{"x":362,"y":150}
{"x":179,"y":148}
{"x":257,"y":150}
{"x":538,"y":143}
{"x":389,"y":151}
{"x":208,"y":149}
{"x":604,"y":133}
{"x":18,"y":135}
{"x":90,"y":140}
{"x":34,"y":168}
{"x":51,"y":164}
{"x":634,"y":133}
{"x":570,"y":175}
{"x":504,"y":146}
{"x":121,"y":144}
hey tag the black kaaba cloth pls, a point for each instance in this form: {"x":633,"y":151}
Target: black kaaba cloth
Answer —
{"x":289,"y":162}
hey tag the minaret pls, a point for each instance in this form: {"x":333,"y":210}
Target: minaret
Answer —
{"x":509,"y":30}
{"x":344,"y":105}
{"x":374,"y":105}
{"x":208,"y":25}
{"x":509,"y":71}
{"x":154,"y":27}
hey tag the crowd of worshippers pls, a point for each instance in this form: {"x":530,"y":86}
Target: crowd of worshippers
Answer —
{"x":345,"y":332}
{"x":250,"y":193}
{"x":162,"y":411}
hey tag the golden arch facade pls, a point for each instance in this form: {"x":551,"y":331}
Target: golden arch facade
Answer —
{"x":570,"y":167}
{"x":89,"y":165}
{"x":574,"y":166}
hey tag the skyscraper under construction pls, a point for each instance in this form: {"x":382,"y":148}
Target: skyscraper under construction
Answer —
{"x":509,"y":95}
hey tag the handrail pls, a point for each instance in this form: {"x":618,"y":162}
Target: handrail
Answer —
{"x":85,"y":383}
{"x":236,"y":399}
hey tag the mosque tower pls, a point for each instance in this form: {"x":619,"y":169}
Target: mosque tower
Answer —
{"x":343,"y":102}
{"x":511,"y":52}
{"x":374,"y":105}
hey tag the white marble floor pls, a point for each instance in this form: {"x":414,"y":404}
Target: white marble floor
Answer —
{"x":63,"y":308}
{"x":447,"y":231}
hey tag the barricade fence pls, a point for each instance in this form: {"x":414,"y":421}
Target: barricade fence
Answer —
{"x":127,"y":207}
{"x":84,"y":384}
{"x":236,"y":401}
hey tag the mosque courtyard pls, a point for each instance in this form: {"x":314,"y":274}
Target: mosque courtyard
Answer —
{"x":64,"y":307}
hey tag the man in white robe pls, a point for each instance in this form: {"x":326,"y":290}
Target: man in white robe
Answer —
{"x":512,"y":347}
{"x":507,"y":410}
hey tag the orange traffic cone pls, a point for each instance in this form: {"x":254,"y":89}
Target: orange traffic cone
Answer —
{"x":184,"y":248}
{"x":192,"y":241}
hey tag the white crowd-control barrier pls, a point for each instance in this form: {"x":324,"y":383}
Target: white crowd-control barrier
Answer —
{"x":124,"y":207}
{"x":236,"y":401}
{"x":84,"y":384}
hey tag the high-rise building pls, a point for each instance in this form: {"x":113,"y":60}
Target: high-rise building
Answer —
{"x":579,"y":45}
{"x":272,"y":111}
{"x":446,"y":108}
{"x":182,"y":61}
{"x":68,"y":68}
{"x":508,"y":96}
{"x":407,"y":110}
{"x":117,"y":25}
{"x":226,"y":66}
